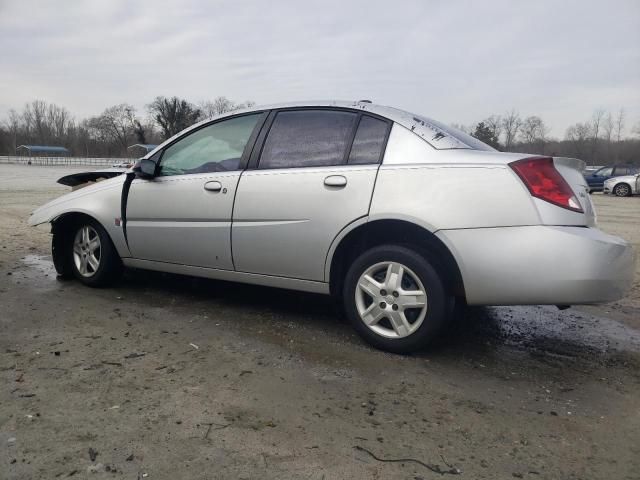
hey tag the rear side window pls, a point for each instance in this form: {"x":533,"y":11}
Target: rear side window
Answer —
{"x":308,"y":138}
{"x":621,"y":171}
{"x":369,"y":141}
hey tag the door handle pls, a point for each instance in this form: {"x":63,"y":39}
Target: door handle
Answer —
{"x":335,"y":181}
{"x":214,"y":186}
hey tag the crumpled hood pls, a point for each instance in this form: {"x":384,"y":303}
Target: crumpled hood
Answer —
{"x":77,"y":179}
{"x":55,"y":207}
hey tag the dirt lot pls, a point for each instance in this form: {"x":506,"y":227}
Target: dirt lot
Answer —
{"x":167,"y":377}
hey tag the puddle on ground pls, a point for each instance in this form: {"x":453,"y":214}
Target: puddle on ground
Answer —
{"x":39,"y":271}
{"x":547,"y":332}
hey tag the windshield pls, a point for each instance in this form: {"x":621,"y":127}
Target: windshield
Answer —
{"x":604,"y":172}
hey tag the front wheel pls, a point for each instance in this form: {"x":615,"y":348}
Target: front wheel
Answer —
{"x":622,"y":190}
{"x":92,"y":257}
{"x":395,"y":299}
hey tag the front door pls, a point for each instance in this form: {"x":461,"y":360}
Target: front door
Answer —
{"x":597,"y":179}
{"x":315,"y":175}
{"x":183,"y":215}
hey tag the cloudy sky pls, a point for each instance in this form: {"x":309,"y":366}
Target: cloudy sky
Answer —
{"x":456,"y":61}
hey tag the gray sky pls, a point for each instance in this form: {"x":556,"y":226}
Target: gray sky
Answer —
{"x":455,"y":61}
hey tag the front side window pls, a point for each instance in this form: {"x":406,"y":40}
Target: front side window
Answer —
{"x":214,"y":148}
{"x":369,"y":141}
{"x":604,"y":172}
{"x":308,"y":138}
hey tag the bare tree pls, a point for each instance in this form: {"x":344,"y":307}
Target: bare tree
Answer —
{"x":511,"y":124}
{"x":579,"y":135}
{"x":596,"y":124}
{"x":223,"y":105}
{"x":494,"y":124}
{"x":533,"y":130}
{"x":140,"y":132}
{"x":59,"y":121}
{"x":13,"y":125}
{"x":173,"y":114}
{"x":34,"y":116}
{"x":220,"y":105}
{"x":247,"y":104}
{"x":607,"y":129}
{"x":45,"y":123}
{"x":619,"y":124}
{"x":118,"y":122}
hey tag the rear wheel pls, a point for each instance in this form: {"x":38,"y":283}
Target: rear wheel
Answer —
{"x":92,"y":257}
{"x":622,"y":190}
{"x":395,"y":299}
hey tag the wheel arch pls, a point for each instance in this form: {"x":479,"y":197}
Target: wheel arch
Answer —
{"x":61,"y":229}
{"x":66,"y":219}
{"x":365,"y":234}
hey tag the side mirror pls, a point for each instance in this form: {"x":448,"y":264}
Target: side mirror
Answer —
{"x":145,"y":169}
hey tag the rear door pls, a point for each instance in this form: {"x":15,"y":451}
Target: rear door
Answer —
{"x":313,"y":175}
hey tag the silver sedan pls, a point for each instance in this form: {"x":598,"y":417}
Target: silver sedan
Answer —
{"x":624,"y":186}
{"x":386,"y":210}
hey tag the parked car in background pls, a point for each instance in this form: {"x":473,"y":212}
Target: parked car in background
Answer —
{"x":596,"y":179}
{"x":386,"y":210}
{"x":623,"y":186}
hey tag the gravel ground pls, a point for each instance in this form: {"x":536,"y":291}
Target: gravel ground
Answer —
{"x":166,"y":377}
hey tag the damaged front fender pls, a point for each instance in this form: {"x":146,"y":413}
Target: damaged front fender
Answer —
{"x":99,"y":200}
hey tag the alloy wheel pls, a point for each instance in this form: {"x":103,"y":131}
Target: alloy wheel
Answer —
{"x":622,"y":190}
{"x":87,"y":251}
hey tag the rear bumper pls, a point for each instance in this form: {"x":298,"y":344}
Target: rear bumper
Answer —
{"x":543,"y":265}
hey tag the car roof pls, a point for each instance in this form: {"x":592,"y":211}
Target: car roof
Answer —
{"x":437,"y":134}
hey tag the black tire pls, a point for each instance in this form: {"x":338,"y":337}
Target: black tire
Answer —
{"x":60,"y":254}
{"x":110,"y":265}
{"x":438,"y":300}
{"x":622,"y":190}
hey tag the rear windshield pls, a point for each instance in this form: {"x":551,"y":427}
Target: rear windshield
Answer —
{"x":471,"y":142}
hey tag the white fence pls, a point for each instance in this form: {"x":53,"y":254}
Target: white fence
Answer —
{"x":63,"y":161}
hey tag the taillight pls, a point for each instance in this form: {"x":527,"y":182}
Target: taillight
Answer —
{"x":545,"y":182}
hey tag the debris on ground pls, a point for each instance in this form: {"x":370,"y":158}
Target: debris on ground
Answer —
{"x":98,"y":467}
{"x":93,"y":454}
{"x":135,"y":355}
{"x":435,"y":468}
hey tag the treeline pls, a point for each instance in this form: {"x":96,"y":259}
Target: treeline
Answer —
{"x":110,"y":133}
{"x":601,"y":140}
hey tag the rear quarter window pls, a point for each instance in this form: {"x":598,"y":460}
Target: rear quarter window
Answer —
{"x":368,"y":144}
